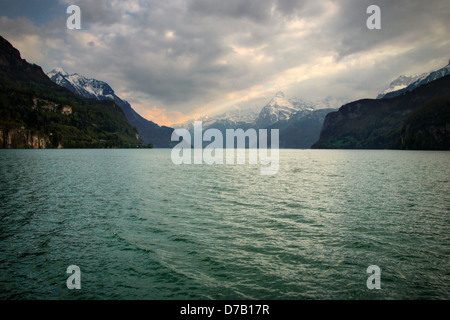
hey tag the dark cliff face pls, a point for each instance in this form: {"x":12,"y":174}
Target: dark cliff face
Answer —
{"x":20,"y":138}
{"x":378,"y":124}
{"x":37,"y":113}
{"x":428,"y":127}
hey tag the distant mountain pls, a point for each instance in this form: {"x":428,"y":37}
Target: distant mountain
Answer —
{"x":299,"y":121}
{"x":417,"y":119}
{"x":330,"y":102}
{"x":401,"y":83}
{"x":88,"y":88}
{"x":408,"y":83}
{"x":149,"y":132}
{"x":232,"y":119}
{"x":37,"y":113}
{"x":302,"y":129}
{"x":280,"y":109}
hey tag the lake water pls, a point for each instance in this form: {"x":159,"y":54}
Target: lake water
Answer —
{"x":140,"y":227}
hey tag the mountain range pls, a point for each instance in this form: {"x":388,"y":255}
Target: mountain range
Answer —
{"x":149,"y":132}
{"x":299,"y":121}
{"x":62,"y":110}
{"x":416,"y":117}
{"x":407,"y":83}
{"x":37,"y":113}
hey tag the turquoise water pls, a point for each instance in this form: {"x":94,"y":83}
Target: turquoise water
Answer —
{"x":140,"y":227}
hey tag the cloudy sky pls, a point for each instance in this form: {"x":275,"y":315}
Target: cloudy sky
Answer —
{"x":178,"y":59}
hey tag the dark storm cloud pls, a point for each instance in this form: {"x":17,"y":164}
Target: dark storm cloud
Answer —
{"x":403,"y":23}
{"x":255,"y":10}
{"x":98,"y":12}
{"x":40,"y":11}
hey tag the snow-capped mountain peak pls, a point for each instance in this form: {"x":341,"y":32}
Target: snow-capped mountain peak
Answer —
{"x":56,"y":71}
{"x":407,"y":83}
{"x":85,"y":87}
{"x":402,"y":82}
{"x":280,"y":101}
{"x":280,"y":108}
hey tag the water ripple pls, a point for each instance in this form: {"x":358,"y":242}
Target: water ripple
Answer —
{"x":140,"y":227}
